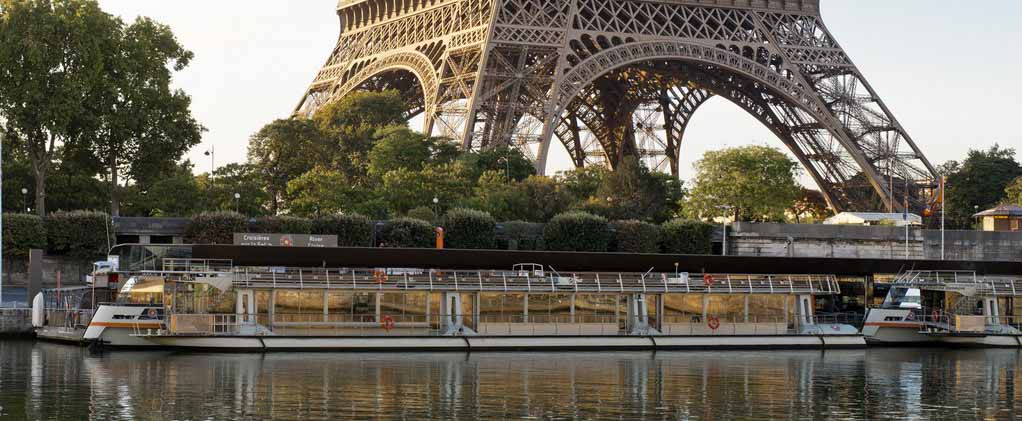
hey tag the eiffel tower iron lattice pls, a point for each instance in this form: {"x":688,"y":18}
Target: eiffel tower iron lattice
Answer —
{"x":611,"y":78}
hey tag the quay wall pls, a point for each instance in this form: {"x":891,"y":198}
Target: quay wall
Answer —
{"x":15,"y":322}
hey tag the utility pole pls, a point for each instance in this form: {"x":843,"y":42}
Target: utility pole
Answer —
{"x":943,"y":182}
{"x":1,"y":224}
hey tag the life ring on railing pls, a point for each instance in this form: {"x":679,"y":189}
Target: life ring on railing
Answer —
{"x":380,"y":276}
{"x":713,"y":322}
{"x":708,"y":280}
{"x":151,"y":313}
{"x":388,"y":323}
{"x":935,"y":316}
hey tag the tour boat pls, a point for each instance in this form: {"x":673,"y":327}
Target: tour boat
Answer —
{"x":946,"y":308}
{"x":214,"y":305}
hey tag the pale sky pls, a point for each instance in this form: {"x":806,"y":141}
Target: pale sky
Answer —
{"x":949,"y":70}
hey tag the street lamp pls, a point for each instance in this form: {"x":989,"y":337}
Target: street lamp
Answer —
{"x":237,"y":197}
{"x":211,"y":153}
{"x":723,"y":224}
{"x":24,"y":200}
{"x":436,"y":207}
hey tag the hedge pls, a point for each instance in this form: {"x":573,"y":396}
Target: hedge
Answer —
{"x":351,"y":230}
{"x":408,"y":232}
{"x":633,"y":236}
{"x":521,"y":235}
{"x":22,"y":232}
{"x":280,"y":225}
{"x":424,"y":213}
{"x":469,"y":229}
{"x":83,"y":235}
{"x":577,"y":231}
{"x":215,"y":228}
{"x":687,"y":237}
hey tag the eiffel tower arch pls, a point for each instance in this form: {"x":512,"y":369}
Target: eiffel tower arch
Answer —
{"x":615,"y":78}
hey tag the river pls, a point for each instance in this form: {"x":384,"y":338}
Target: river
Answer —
{"x":51,"y":381}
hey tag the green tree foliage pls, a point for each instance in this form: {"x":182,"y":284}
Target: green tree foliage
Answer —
{"x":352,"y":230}
{"x":577,"y":231}
{"x":757,"y":182}
{"x":139,"y":127}
{"x":682,"y":236}
{"x":280,"y":224}
{"x":468,"y":229}
{"x":1013,"y":193}
{"x":81,"y":235}
{"x":632,"y":191}
{"x":980,"y":180}
{"x":521,"y":235}
{"x":215,"y":227}
{"x":175,"y":194}
{"x":408,"y":232}
{"x":234,"y":178}
{"x":53,"y":55}
{"x":22,"y":232}
{"x":425,"y":213}
{"x":634,"y":237}
{"x":282,"y":151}
{"x":398,"y":147}
{"x":350,"y":125}
{"x":511,"y":164}
{"x":583,"y":183}
{"x":405,"y":189}
{"x":495,"y":195}
{"x":324,"y":191}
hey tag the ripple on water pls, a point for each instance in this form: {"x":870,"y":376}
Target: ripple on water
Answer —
{"x":49,"y":381}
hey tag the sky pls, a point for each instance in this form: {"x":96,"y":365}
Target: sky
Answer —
{"x":949,"y":70}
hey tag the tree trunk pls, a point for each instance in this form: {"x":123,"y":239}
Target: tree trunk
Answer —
{"x":115,"y":202}
{"x":40,"y":190}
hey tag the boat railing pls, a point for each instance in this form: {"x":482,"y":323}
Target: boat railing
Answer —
{"x":69,"y":318}
{"x":964,"y":282}
{"x":173,"y":265}
{"x":513,"y":281}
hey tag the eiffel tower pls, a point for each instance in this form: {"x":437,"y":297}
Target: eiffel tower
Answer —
{"x":615,"y":78}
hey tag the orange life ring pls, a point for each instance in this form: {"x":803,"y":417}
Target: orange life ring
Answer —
{"x":388,"y":323}
{"x":713,"y":322}
{"x":152,"y":313}
{"x":380,"y":276}
{"x":708,"y":280}
{"x":936,"y":316}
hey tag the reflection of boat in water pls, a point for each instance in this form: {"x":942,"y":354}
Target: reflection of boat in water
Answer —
{"x":947,"y":308}
{"x":211,"y":304}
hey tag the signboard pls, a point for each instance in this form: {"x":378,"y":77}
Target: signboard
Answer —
{"x":284,"y":240}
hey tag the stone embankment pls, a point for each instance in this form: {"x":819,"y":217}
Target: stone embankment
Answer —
{"x":15,"y":323}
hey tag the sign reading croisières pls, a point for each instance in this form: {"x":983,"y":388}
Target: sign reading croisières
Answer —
{"x":284,"y":240}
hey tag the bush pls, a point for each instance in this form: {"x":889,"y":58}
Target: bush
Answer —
{"x":351,"y":230}
{"x":22,"y":232}
{"x":424,"y":213}
{"x":82,"y":235}
{"x":687,"y":237}
{"x":577,"y":231}
{"x":408,"y":232}
{"x":521,"y":235}
{"x":280,"y":225}
{"x":633,"y":236}
{"x":469,"y":229}
{"x":215,"y":228}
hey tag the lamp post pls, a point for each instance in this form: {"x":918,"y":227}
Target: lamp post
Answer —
{"x":211,"y":153}
{"x":436,"y":207}
{"x":237,"y":198}
{"x":723,"y":224}
{"x":24,"y":200}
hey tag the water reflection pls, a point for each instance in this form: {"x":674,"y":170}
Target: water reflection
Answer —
{"x":47,"y":381}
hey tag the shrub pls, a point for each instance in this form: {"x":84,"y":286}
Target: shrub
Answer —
{"x":22,"y":232}
{"x":215,"y":228}
{"x":687,"y":237}
{"x":577,"y":231}
{"x":408,"y":232}
{"x":351,"y":230}
{"x":469,"y":229}
{"x":521,"y":235}
{"x":633,"y":236}
{"x":280,"y":225}
{"x":424,"y":213}
{"x":82,"y":235}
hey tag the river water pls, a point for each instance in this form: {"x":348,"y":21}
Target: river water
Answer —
{"x":52,"y":381}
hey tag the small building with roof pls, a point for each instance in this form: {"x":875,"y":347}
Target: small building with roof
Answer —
{"x":1004,"y":218}
{"x":874,"y":218}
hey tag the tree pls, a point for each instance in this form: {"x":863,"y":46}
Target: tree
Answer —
{"x":632,"y":191}
{"x":510,"y":163}
{"x":810,"y":205}
{"x":398,"y":147}
{"x":282,"y":151}
{"x":757,"y":182}
{"x":405,"y":189}
{"x":583,"y":182}
{"x":494,"y":195}
{"x":175,"y":194}
{"x":980,"y":180}
{"x":323,"y":191}
{"x":138,"y":125}
{"x":231,"y":179}
{"x":1013,"y":193}
{"x":351,"y":123}
{"x":52,"y":58}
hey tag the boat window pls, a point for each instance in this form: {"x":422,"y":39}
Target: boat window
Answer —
{"x":893,"y":319}
{"x":903,"y":298}
{"x":142,"y":290}
{"x":499,"y":307}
